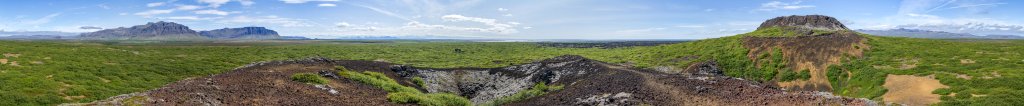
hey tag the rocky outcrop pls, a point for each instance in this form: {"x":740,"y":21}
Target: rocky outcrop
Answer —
{"x":151,"y":31}
{"x":241,"y":33}
{"x":817,"y":22}
{"x":584,"y":82}
{"x":483,"y":85}
{"x":809,"y":49}
{"x":709,"y":68}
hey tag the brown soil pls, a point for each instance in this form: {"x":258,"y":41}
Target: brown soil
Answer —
{"x":966,"y":61}
{"x":14,"y":63}
{"x":11,"y":55}
{"x":912,"y":90}
{"x":3,"y":61}
{"x":813,"y":53}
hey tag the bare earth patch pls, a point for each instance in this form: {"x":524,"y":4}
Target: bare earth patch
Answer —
{"x":11,"y":55}
{"x":966,"y":61}
{"x":912,"y":90}
{"x":3,"y":61}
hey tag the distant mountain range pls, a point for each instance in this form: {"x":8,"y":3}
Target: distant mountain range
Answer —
{"x":384,"y":37}
{"x":174,"y":31}
{"x":917,"y":33}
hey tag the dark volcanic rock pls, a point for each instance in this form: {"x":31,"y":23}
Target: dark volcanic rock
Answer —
{"x":241,"y":33}
{"x":153,"y":30}
{"x":584,"y":82}
{"x":819,"y":22}
{"x":709,"y":68}
{"x":482,"y":85}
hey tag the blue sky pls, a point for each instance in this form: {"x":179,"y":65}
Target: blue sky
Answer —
{"x":513,"y":19}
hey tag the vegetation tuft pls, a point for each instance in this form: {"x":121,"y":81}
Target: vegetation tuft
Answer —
{"x":309,"y":78}
{"x":537,"y":90}
{"x":419,"y":82}
{"x":403,"y":94}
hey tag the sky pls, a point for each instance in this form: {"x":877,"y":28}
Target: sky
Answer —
{"x":510,"y":19}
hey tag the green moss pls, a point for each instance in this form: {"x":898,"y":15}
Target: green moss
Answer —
{"x":134,"y":101}
{"x":787,"y":32}
{"x":419,"y":82}
{"x":432,"y":99}
{"x":309,"y":78}
{"x":942,"y":91}
{"x":402,"y":94}
{"x":537,"y":90}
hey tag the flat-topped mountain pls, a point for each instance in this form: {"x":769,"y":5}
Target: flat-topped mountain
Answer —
{"x":816,"y":22}
{"x":174,"y":31}
{"x":151,"y":31}
{"x":241,"y":33}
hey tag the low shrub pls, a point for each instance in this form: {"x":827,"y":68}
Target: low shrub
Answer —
{"x":419,"y":82}
{"x":536,"y":90}
{"x":403,"y":94}
{"x":309,"y":78}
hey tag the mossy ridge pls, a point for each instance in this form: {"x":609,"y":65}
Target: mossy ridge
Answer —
{"x":789,"y":31}
{"x":402,"y":94}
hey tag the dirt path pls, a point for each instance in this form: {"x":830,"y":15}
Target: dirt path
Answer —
{"x":912,"y":90}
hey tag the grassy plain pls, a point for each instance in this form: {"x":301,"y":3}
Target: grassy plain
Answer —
{"x":979,"y":72}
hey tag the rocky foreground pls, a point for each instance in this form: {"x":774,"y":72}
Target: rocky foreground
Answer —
{"x":586,"y":82}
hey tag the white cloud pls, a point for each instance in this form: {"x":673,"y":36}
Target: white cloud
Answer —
{"x":495,"y":25}
{"x":343,"y":25}
{"x":214,"y":12}
{"x":154,"y":12}
{"x":385,"y":12}
{"x":214,"y":3}
{"x":42,"y":20}
{"x":266,"y":20}
{"x":507,"y":15}
{"x":246,"y":2}
{"x":776,"y":5}
{"x":976,"y":5}
{"x":502,"y":9}
{"x":326,"y":5}
{"x":187,"y":7}
{"x":302,"y":1}
{"x":155,"y":4}
{"x":419,"y":28}
{"x":104,"y":6}
{"x":527,"y":27}
{"x":456,"y":18}
{"x":190,"y":18}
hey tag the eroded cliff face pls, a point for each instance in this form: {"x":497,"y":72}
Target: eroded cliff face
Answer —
{"x":817,"y":22}
{"x":813,"y":52}
{"x":482,"y":85}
